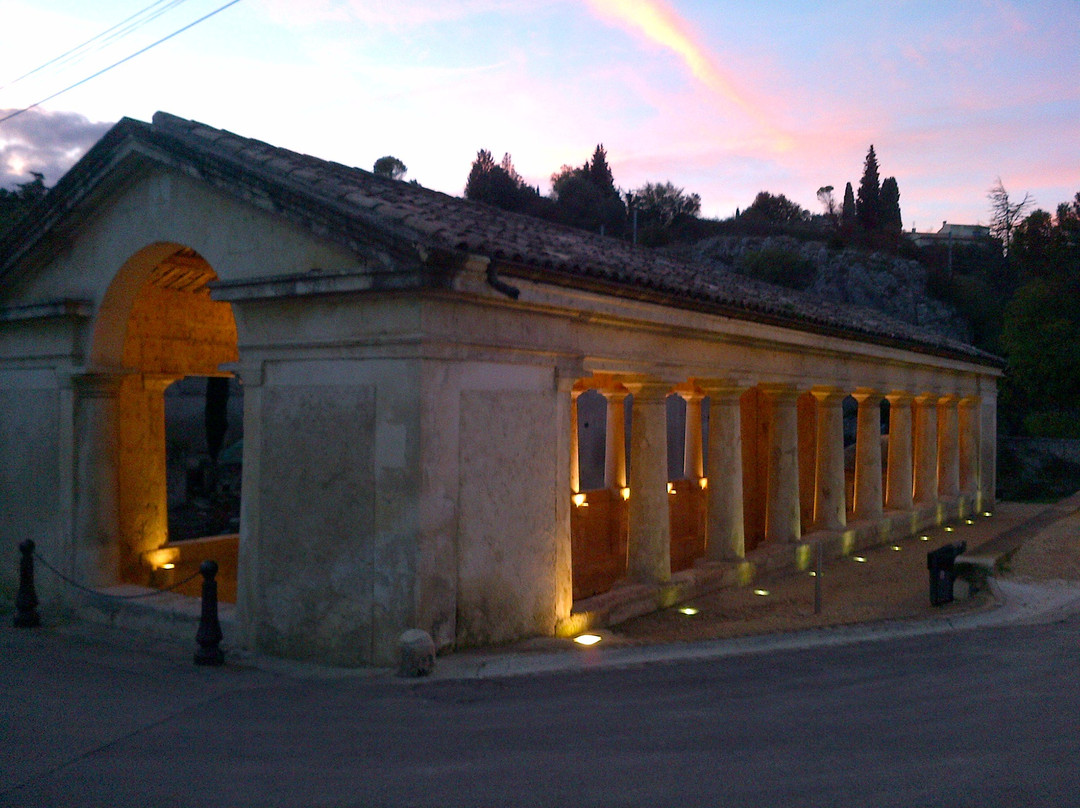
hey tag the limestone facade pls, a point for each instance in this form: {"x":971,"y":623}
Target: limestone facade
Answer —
{"x":411,"y":453}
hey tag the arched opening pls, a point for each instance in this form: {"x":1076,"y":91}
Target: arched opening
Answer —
{"x":158,"y":326}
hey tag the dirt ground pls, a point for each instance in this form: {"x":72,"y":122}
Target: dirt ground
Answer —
{"x":887,"y":582}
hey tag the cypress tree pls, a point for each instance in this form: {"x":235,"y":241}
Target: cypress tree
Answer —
{"x":847,"y":210}
{"x":868,"y":201}
{"x":890,"y":206}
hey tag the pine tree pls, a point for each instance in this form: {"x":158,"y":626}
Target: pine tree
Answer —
{"x":599,"y":172}
{"x":868,"y":202}
{"x":890,"y":206}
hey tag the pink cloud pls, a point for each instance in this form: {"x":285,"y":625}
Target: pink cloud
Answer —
{"x":663,"y":26}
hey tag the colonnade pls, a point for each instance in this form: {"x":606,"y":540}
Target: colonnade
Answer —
{"x":794,"y":476}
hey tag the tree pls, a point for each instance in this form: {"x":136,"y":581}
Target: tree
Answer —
{"x":827,"y":200}
{"x":1005,"y":214}
{"x":776,"y":209}
{"x":586,"y":197}
{"x":890,"y":206}
{"x":659,"y":206}
{"x":501,"y":186}
{"x":847,"y":211}
{"x":390,"y":166}
{"x":15,"y":204}
{"x":868,"y":200}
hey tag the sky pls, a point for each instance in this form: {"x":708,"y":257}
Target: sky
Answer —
{"x":721,"y":98}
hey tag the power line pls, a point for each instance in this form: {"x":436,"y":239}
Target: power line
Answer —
{"x":93,"y":39}
{"x":128,"y":58}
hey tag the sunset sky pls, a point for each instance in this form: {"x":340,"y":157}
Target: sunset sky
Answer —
{"x":724,"y":99}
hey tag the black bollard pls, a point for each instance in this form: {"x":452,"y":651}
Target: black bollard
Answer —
{"x":26,"y":601}
{"x":209,"y":634}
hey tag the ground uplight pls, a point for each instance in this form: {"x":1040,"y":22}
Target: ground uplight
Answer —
{"x":860,"y":559}
{"x":587,"y":639}
{"x":762,"y":592}
{"x":689,"y":611}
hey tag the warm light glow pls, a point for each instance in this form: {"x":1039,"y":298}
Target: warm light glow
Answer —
{"x":671,"y":488}
{"x":969,"y":521}
{"x":924,"y":538}
{"x":950,"y":529}
{"x":860,"y":559}
{"x":168,"y":566}
{"x":586,"y":639}
{"x":987,"y":513}
{"x":813,"y":574}
{"x":762,"y":592}
{"x":578,"y":499}
{"x":704,"y":483}
{"x":897,"y":547}
{"x":625,"y":492}
{"x":688,"y":610}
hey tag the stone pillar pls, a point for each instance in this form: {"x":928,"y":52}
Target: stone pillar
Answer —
{"x":726,"y":531}
{"x":925,"y":488}
{"x":97,"y":500}
{"x":898,"y":491}
{"x":868,"y":500}
{"x":575,"y":460}
{"x":649,"y":544}
{"x":948,"y":471}
{"x":615,"y":452}
{"x":693,"y":460}
{"x":987,"y":447}
{"x":830,"y":508}
{"x":783,"y":521}
{"x":969,"y":445}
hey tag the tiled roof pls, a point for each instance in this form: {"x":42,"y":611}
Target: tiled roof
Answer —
{"x":354,"y":205}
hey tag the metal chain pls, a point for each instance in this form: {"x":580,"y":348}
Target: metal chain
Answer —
{"x":100,"y":594}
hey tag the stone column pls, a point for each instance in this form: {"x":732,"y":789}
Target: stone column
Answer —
{"x":726,"y":532}
{"x":693,"y":460}
{"x":868,"y":501}
{"x":575,"y":460}
{"x":925,"y":488}
{"x":649,"y":544}
{"x":830,"y":508}
{"x":898,"y":492}
{"x":987,"y":447}
{"x":97,"y":500}
{"x":948,"y":452}
{"x":615,"y":452}
{"x":783,"y":521}
{"x":969,"y":445}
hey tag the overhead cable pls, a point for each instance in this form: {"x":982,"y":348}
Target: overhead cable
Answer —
{"x":128,"y":58}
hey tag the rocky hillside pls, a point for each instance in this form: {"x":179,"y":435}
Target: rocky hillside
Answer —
{"x":887,"y":283}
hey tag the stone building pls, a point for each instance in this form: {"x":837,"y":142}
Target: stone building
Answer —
{"x":412,"y":367}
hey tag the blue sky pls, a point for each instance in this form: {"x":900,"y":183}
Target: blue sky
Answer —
{"x":722,"y":98}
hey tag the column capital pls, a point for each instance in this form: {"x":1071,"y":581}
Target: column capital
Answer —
{"x":779,"y":392}
{"x":948,"y":399}
{"x":690,"y":396}
{"x":828,"y":395}
{"x":867,"y":395}
{"x":715,"y":387}
{"x":646,"y":388}
{"x":969,"y":402}
{"x":897,"y":398}
{"x":927,"y":399}
{"x":612,"y":393}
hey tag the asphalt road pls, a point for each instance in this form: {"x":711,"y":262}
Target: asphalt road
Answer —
{"x":979,"y":717}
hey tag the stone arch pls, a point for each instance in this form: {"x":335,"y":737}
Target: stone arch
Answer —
{"x":156,"y":323}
